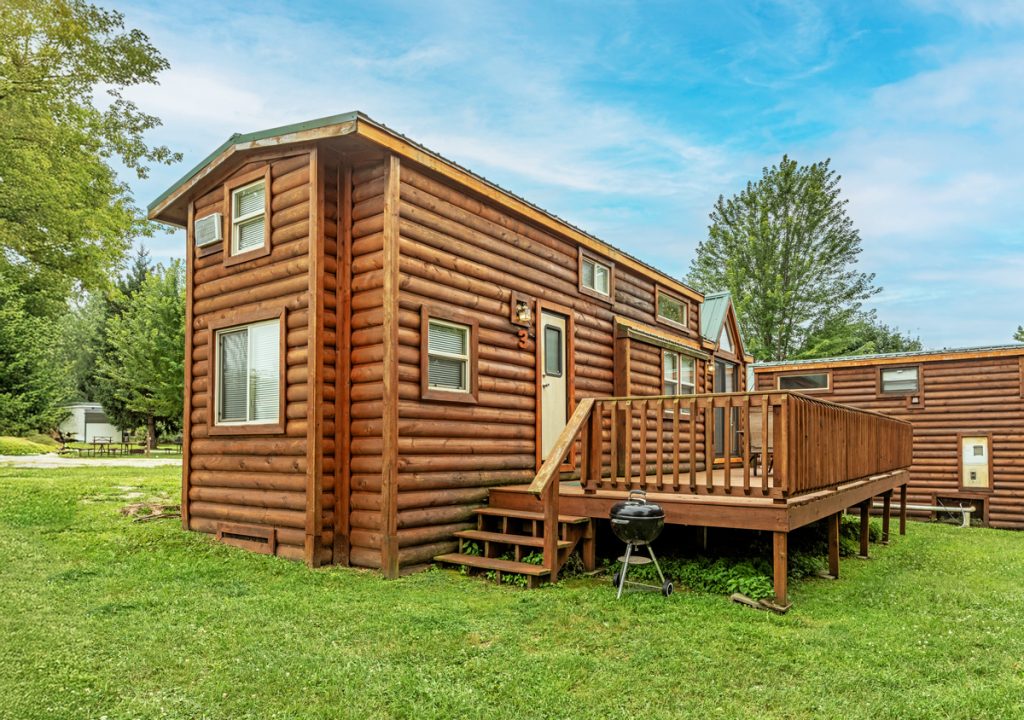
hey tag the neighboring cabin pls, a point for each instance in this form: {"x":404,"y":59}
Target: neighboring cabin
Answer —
{"x":88,"y":421}
{"x":377,"y":336}
{"x":966,"y":406}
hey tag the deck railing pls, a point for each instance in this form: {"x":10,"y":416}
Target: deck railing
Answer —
{"x":667,"y":444}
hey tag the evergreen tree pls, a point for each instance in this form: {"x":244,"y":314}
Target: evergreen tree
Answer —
{"x":1019,"y":335}
{"x":145,"y":370}
{"x":786,"y":250}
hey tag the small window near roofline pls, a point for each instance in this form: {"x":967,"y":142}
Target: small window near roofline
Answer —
{"x":248,"y":218}
{"x":899,"y":380}
{"x":671,"y":310}
{"x":804,"y":382}
{"x":596,"y":276}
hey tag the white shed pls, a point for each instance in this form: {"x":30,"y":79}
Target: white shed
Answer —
{"x":88,"y":421}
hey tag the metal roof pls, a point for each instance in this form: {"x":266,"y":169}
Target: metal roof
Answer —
{"x":712,"y":314}
{"x":356,"y":115}
{"x":887,"y":356}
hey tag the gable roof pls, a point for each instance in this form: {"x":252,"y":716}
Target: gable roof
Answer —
{"x":358,"y":123}
{"x":712,"y":314}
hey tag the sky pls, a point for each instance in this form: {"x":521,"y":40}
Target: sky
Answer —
{"x":629,"y":119}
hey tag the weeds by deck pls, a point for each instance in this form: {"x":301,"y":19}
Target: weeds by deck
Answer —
{"x":103,"y":616}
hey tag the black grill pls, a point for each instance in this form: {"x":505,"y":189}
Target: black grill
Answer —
{"x":638,"y":523}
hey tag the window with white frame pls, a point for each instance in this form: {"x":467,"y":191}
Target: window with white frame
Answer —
{"x":671,"y":309}
{"x":248,"y":217}
{"x":249,"y":374}
{"x":448,"y":353}
{"x":899,"y":380}
{"x":679,"y":377}
{"x":596,"y":276}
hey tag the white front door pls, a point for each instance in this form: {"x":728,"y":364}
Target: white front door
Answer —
{"x":554,"y":378}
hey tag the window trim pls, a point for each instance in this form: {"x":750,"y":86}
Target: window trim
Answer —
{"x":230,"y":187}
{"x":826,"y":389}
{"x":472,"y":393}
{"x":590,"y":292}
{"x":238,"y":320}
{"x":684,"y":325}
{"x":901,"y":393}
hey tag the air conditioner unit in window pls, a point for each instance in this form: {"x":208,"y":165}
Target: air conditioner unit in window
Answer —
{"x":208,"y":230}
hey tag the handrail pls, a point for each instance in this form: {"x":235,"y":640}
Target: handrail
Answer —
{"x":549,"y":470}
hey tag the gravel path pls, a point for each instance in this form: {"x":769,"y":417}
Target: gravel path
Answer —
{"x":57,"y":461}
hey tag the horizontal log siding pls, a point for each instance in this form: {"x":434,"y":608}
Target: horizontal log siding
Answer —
{"x":960,"y":396}
{"x":330,"y":363}
{"x":462,"y":254}
{"x":367,"y":351}
{"x":255,"y":480}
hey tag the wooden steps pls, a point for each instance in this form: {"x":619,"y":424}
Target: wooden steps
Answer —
{"x":504,"y":536}
{"x":529,"y":515}
{"x":507,"y":538}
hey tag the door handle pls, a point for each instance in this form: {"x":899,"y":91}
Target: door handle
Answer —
{"x":544,"y":385}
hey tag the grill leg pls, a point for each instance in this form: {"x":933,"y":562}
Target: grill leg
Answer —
{"x":656,"y":565}
{"x":625,"y":569}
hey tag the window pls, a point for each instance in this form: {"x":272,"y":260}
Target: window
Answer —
{"x":725,"y":342}
{"x":804,"y":381}
{"x":448,"y":352}
{"x":248,"y":381}
{"x":552,"y":351}
{"x":678,"y":374}
{"x":248,"y":218}
{"x":899,"y":380}
{"x":597,"y":276}
{"x":671,"y":310}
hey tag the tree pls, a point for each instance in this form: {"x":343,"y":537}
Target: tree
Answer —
{"x":32,"y":377}
{"x":65,"y":218}
{"x":1019,"y":335}
{"x":859,"y":334}
{"x":786,"y":250}
{"x":146,"y":368}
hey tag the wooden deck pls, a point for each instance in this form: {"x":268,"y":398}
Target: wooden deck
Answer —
{"x":826,"y":458}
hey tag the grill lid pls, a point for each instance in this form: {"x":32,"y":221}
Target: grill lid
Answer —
{"x":637,"y":508}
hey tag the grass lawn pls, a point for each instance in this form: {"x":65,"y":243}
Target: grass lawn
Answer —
{"x":102,"y":617}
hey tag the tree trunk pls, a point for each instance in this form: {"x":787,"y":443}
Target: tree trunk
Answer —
{"x":150,"y":434}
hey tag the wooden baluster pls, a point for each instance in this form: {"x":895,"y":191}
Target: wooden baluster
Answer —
{"x":628,"y":449}
{"x":764,"y":443}
{"x":693,"y":445}
{"x":659,"y":451}
{"x":675,"y":443}
{"x":745,"y":426}
{"x":642,"y":478}
{"x":593,"y":458}
{"x":709,"y":443}
{"x":584,"y":453}
{"x":727,"y":433}
{"x":614,"y":449}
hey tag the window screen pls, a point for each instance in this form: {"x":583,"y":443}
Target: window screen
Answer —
{"x":671,"y":309}
{"x":899,"y":380}
{"x":249,"y":373}
{"x":808,"y":381}
{"x":448,"y":356}
{"x":596,"y":276}
{"x":248,"y":217}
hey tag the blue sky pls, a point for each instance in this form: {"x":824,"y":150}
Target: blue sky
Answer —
{"x":629,"y":119}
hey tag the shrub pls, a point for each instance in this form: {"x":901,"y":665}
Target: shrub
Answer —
{"x":21,"y":446}
{"x":42,"y":439}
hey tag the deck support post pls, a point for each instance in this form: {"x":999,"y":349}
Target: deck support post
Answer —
{"x":588,"y":547}
{"x":886,"y":507}
{"x":833,"y":544}
{"x":903,"y":509}
{"x":781,"y":566}
{"x":865,"y":516}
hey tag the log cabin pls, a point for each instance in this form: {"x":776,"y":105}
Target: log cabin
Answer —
{"x":380,"y":342}
{"x":966,"y":407}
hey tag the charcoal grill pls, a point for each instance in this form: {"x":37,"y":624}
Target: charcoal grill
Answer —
{"x":638,"y":523}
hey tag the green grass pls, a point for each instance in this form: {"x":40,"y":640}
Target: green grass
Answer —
{"x":100,"y":616}
{"x":21,"y":446}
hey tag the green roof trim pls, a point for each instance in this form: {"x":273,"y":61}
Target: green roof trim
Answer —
{"x":712,"y":315}
{"x":253,"y":137}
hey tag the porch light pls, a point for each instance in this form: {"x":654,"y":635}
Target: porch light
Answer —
{"x":523,"y":313}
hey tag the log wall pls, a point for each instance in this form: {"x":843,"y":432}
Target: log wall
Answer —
{"x":256,"y":480}
{"x":973,"y":395}
{"x":460,"y":253}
